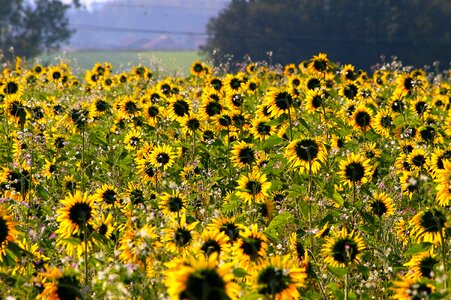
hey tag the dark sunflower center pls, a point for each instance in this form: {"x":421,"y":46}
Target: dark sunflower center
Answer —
{"x":428,"y":134}
{"x":421,"y":107}
{"x":58,"y":109}
{"x":181,"y":108}
{"x":386,"y":122}
{"x":320,"y":65}
{"x":307,"y":150}
{"x":197,"y":68}
{"x":108,"y":82}
{"x":253,"y":86}
{"x":408,"y":83}
{"x":225,"y":120}
{"x":80,"y":213}
{"x":155,"y":97}
{"x":246,"y":156}
{"x":11,"y":88}
{"x":68,"y":288}
{"x":205,"y":284}
{"x":163,"y":158}
{"x":313,"y":83}
{"x":317,"y":101}
{"x":419,"y":160}
{"x":237,"y":100}
{"x":263,"y":209}
{"x":300,"y":250}
{"x":362,"y":119}
{"x":101,"y":105}
{"x":445,"y":155}
{"x":17,"y":109}
{"x":52,"y":168}
{"x":140,"y":71}
{"x":213,"y":108}
{"x":350,"y":91}
{"x":263,"y":129}
{"x":103,"y":229}
{"x":427,"y":266}
{"x":109,"y":196}
{"x":56,"y":75}
{"x":296,"y":82}
{"x":71,"y":185}
{"x":251,"y":247}
{"x":235,"y":83}
{"x":182,"y":237}
{"x":239,"y":120}
{"x":79,"y":116}
{"x":216,"y":84}
{"x":397,"y":106}
{"x":150,"y":171}
{"x":193,"y":124}
{"x":345,"y":250}
{"x":210,"y":246}
{"x":432,"y":221}
{"x":166,"y":89}
{"x":3,"y":231}
{"x":419,"y":291}
{"x":131,"y":107}
{"x":254,"y":187}
{"x":19,"y":181}
{"x":152,"y":111}
{"x":283,"y":100}
{"x":350,"y":110}
{"x":208,"y":135}
{"x":231,"y":230}
{"x":175,"y":204}
{"x":354,"y":171}
{"x":272,"y":281}
{"x":379,"y":208}
{"x":136,"y":196}
{"x":134,"y":141}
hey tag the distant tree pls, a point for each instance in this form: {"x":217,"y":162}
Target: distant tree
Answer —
{"x":30,"y":27}
{"x":349,"y":31}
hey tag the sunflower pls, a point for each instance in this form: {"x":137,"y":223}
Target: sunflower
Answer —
{"x":315,"y":100}
{"x":307,"y":154}
{"x":243,"y":154}
{"x":146,"y":169}
{"x":279,"y":102}
{"x":107,"y":196}
{"x":410,"y":182}
{"x":362,"y":118}
{"x":250,"y":248}
{"x":128,"y":106}
{"x":233,"y":83}
{"x":16,"y":179}
{"x":381,"y":205}
{"x":133,"y":139}
{"x":343,"y":249}
{"x":443,"y":180}
{"x":78,"y":212}
{"x":178,"y":107}
{"x":172,"y":203}
{"x":319,"y":63}
{"x":402,"y":229}
{"x":417,"y":159}
{"x":412,"y":288}
{"x":211,"y":104}
{"x":200,"y":277}
{"x":163,"y":157}
{"x":15,"y":109}
{"x":383,"y":122}
{"x":152,"y":113}
{"x":429,"y":225}
{"x":348,"y":73}
{"x":350,"y":90}
{"x":371,"y":151}
{"x":8,"y":231}
{"x":99,"y":107}
{"x":266,"y":209}
{"x":197,"y":68}
{"x":104,"y":226}
{"x":355,"y":169}
{"x":135,"y":245}
{"x":253,"y":187}
{"x":313,"y":82}
{"x":252,"y":85}
{"x":422,"y":265}
{"x":191,"y":124}
{"x":430,"y":135}
{"x":179,"y":236}
{"x":55,"y":74}
{"x":229,"y":226}
{"x":11,"y":86}
{"x":420,"y":107}
{"x":297,"y":250}
{"x":437,"y":159}
{"x":278,"y":278}
{"x":212,"y":241}
{"x":51,"y":168}
{"x":405,"y":84}
{"x":59,"y":286}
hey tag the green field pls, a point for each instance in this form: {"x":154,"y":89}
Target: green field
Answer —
{"x":166,"y":62}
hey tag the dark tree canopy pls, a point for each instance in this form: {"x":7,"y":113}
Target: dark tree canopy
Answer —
{"x":418,"y":32}
{"x":30,"y":27}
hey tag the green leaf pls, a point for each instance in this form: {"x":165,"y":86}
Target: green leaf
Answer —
{"x":277,"y":224}
{"x":340,"y":272}
{"x":272,"y":141}
{"x":239,"y":272}
{"x":418,"y":248}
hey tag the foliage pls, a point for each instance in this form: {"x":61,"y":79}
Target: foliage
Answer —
{"x":351,"y":32}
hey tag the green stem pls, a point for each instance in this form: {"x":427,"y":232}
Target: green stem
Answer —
{"x":291,"y":124}
{"x":346,"y":287}
{"x":85,"y":239}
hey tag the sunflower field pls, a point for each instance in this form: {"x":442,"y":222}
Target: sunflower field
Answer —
{"x":312,"y":181}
